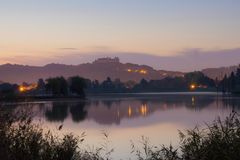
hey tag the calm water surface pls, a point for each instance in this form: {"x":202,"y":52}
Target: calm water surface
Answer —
{"x":128,"y":117}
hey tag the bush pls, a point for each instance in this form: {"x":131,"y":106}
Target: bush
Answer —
{"x":219,"y":141}
{"x":149,"y":152}
{"x":23,"y":140}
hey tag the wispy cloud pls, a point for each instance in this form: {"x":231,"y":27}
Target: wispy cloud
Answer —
{"x":68,"y":48}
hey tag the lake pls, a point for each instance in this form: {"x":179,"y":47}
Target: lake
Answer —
{"x":128,"y":117}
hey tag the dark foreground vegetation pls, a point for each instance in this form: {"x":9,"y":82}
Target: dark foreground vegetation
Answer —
{"x":20,"y":139}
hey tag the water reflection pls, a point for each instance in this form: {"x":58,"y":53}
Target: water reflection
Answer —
{"x":158,"y":117}
{"x":108,"y":111}
{"x":59,"y":111}
{"x":78,"y":112}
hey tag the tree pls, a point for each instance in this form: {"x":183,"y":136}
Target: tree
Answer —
{"x":237,"y":81}
{"x":8,"y":90}
{"x":57,"y":86}
{"x":95,"y":84}
{"x":130,"y":84}
{"x":238,"y":76}
{"x":41,"y":84}
{"x":143,"y":82}
{"x":107,"y":84}
{"x":224,"y":84}
{"x":77,"y":85}
{"x":232,"y":82}
{"x":199,"y":78}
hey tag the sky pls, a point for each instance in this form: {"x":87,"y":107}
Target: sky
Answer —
{"x":166,"y":34}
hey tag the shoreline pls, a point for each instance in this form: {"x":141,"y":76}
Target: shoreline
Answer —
{"x":113,"y":95}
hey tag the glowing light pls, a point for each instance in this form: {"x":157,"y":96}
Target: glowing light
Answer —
{"x":21,"y":89}
{"x":192,"y":86}
{"x":142,"y":71}
{"x":129,"y":111}
{"x":129,"y":70}
{"x":30,"y":87}
{"x":193,"y":101}
{"x":143,"y":109}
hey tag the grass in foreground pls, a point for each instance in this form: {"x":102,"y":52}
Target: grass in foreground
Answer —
{"x":20,"y":139}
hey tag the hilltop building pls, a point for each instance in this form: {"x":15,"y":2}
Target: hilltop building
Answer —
{"x":107,"y":60}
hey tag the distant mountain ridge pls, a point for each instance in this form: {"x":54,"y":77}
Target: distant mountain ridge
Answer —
{"x":100,"y":69}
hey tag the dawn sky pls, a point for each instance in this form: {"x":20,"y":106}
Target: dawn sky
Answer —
{"x":73,"y":31}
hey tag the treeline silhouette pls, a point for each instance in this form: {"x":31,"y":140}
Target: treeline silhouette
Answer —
{"x":231,"y":83}
{"x":195,"y":81}
{"x":78,"y":86}
{"x":55,"y":87}
{"x":59,"y":86}
{"x":198,"y":79}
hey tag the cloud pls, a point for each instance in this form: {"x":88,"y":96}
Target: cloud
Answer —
{"x":27,"y":60}
{"x":67,"y":48}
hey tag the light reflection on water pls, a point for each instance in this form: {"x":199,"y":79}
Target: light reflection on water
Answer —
{"x":158,"y":117}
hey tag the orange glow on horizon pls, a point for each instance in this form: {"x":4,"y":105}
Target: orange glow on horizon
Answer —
{"x":23,"y":88}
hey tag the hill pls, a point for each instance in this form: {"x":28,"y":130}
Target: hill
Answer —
{"x":97,"y":70}
{"x":219,"y":72}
